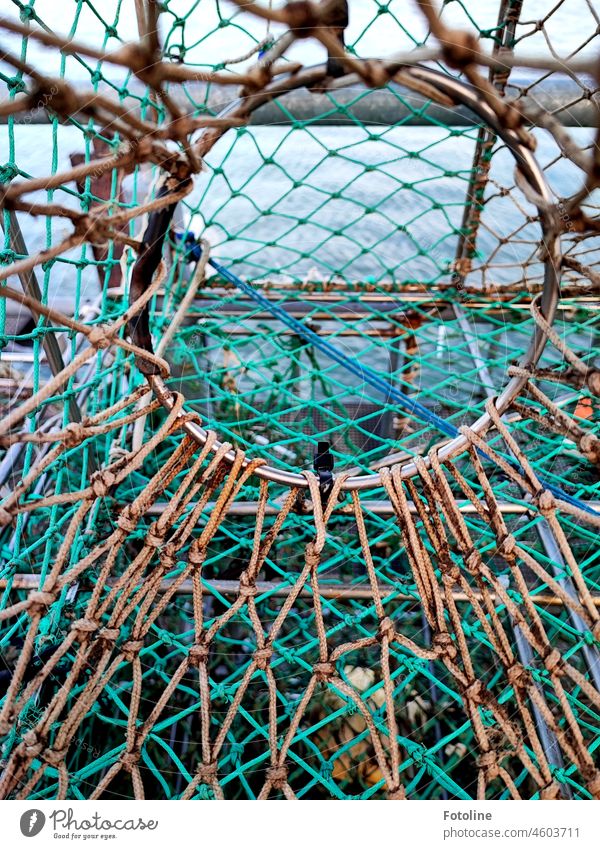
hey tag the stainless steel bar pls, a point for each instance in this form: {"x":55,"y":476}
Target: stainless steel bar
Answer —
{"x":25,"y":581}
{"x":377,"y":508}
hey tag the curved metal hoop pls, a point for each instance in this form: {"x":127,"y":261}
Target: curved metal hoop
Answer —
{"x":465,"y":95}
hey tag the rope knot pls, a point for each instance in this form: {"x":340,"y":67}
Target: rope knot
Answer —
{"x":545,"y":501}
{"x":99,"y":336}
{"x":109,"y":635}
{"x":472,"y":562}
{"x":207,"y":773}
{"x":130,"y":759}
{"x":593,"y":381}
{"x":460,"y":48}
{"x":516,"y":675}
{"x":198,"y":654}
{"x":84,"y":626}
{"x":39,"y":600}
{"x":247,"y":587}
{"x":155,"y":536}
{"x":553,"y":661}
{"x":450,"y":573}
{"x":195,"y":556}
{"x":590,"y":448}
{"x":33,"y":743}
{"x":126,"y":520}
{"x":474,"y":691}
{"x":263,"y":656}
{"x":132,"y":647}
{"x":101,"y":481}
{"x":277,"y":776}
{"x":488,"y":761}
{"x":54,"y":757}
{"x":444,"y":645}
{"x":74,"y":434}
{"x":507,"y":545}
{"x":324,"y":670}
{"x":386,"y":629}
{"x":312,"y":555}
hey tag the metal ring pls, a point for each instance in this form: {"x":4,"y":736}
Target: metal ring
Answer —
{"x":465,"y":95}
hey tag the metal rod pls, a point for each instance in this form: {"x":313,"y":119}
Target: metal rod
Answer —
{"x":24,"y":581}
{"x":377,"y":508}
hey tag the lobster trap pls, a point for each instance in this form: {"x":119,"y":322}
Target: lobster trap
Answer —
{"x":300,"y":403}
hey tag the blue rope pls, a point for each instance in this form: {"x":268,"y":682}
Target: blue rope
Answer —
{"x":369,"y":376}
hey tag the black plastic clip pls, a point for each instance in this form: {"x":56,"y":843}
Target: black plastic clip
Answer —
{"x":323,"y":466}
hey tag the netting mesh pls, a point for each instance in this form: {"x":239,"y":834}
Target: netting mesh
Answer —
{"x":175,"y":622}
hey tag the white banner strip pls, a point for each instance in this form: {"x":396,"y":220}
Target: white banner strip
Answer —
{"x":311,"y":825}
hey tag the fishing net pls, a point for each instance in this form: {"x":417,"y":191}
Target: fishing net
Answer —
{"x":299,"y":400}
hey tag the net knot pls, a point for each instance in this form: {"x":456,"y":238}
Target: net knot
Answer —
{"x":593,"y":381}
{"x":450,"y":573}
{"x":277,"y":776}
{"x":545,"y":501}
{"x":54,"y":757}
{"x":507,"y":545}
{"x":196,"y":556}
{"x":132,"y":647}
{"x":109,"y":635}
{"x":130,"y":759}
{"x":460,"y":48}
{"x":324,"y":670}
{"x":516,"y":675}
{"x":247,"y":587}
{"x":74,"y":434}
{"x":590,"y":448}
{"x":553,"y":661}
{"x":444,"y":645}
{"x":472,"y":561}
{"x":84,"y":626}
{"x":127,"y":521}
{"x":99,"y":336}
{"x":34,"y":744}
{"x":488,"y":761}
{"x":39,"y":600}
{"x":155,"y":536}
{"x":474,"y":691}
{"x":263,"y":656}
{"x":312,"y":555}
{"x":101,"y":481}
{"x":386,"y":629}
{"x":198,"y":654}
{"x":207,"y":773}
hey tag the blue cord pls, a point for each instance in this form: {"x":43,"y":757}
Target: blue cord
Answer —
{"x":369,"y":376}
